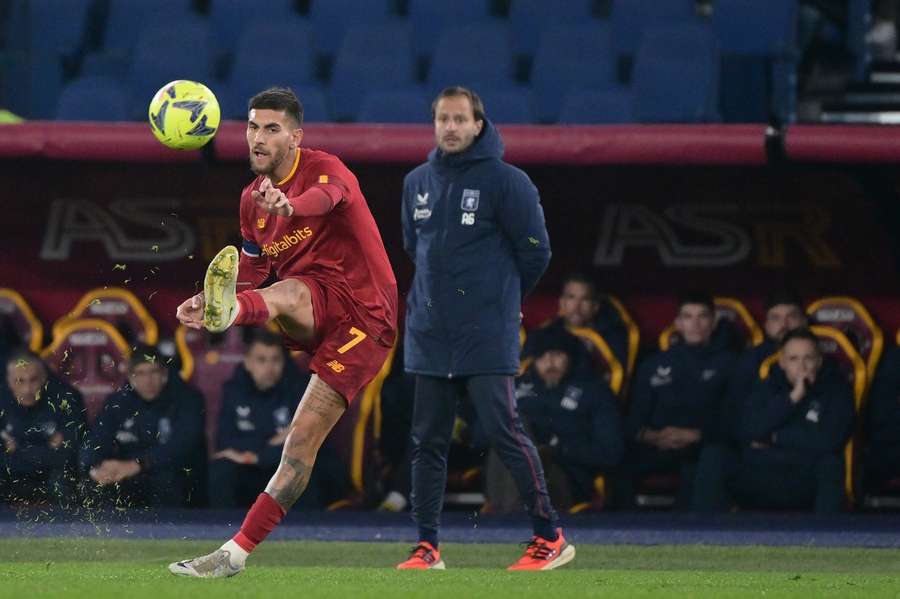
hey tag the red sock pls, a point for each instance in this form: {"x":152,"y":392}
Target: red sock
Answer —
{"x":263,"y":517}
{"x":253,"y":308}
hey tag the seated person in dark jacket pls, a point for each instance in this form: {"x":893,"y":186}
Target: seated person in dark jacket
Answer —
{"x":148,"y":442}
{"x":258,"y":404}
{"x":881,"y":458}
{"x":676,"y":402}
{"x":573,"y":419}
{"x":784,"y":313}
{"x":41,"y":426}
{"x":581,"y":305}
{"x":792,"y":431}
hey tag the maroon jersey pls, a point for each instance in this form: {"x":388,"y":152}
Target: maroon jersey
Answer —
{"x":341,"y":250}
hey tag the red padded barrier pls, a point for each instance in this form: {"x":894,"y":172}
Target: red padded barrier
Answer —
{"x":525,"y":144}
{"x":843,"y":143}
{"x":532,"y":144}
{"x":131,"y":142}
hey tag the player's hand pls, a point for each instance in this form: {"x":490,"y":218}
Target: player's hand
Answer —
{"x":9,"y":444}
{"x":271,"y":199}
{"x":105,"y":473}
{"x":125,"y":469}
{"x":799,"y":390}
{"x":56,"y":441}
{"x":190,"y":312}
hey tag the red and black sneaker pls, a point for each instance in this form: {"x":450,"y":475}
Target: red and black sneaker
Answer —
{"x":423,"y":557}
{"x":541,"y":554}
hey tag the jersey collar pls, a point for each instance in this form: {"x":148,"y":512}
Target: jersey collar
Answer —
{"x":293,"y":169}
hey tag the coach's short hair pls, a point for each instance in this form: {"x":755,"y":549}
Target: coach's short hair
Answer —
{"x":279,"y":98}
{"x":458,"y":90}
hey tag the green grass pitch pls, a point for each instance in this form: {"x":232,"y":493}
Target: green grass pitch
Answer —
{"x":136,"y":569}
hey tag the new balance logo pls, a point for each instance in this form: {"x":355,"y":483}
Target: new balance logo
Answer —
{"x":336,"y":366}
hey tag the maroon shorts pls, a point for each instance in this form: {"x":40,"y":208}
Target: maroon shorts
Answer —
{"x":344,"y":354}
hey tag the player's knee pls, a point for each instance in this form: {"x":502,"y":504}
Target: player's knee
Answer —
{"x":292,"y":296}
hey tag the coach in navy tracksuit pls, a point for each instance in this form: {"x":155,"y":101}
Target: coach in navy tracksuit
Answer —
{"x":676,"y":403}
{"x":791,"y":433}
{"x":148,"y":444}
{"x":475,"y":229}
{"x":41,"y":427}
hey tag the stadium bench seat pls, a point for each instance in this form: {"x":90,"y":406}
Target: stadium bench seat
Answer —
{"x":16,"y":314}
{"x":631,"y":17}
{"x":376,"y":57}
{"x":229,"y":20}
{"x":510,"y":105}
{"x":475,"y":55}
{"x":117,"y":306}
{"x":92,"y":99}
{"x":395,"y":106}
{"x":165,"y":53}
{"x":571,"y":58}
{"x":530,"y":18}
{"x":676,"y":74}
{"x":337,"y":17}
{"x":92,"y":356}
{"x":429,"y":18}
{"x":851,"y":317}
{"x":604,"y":107}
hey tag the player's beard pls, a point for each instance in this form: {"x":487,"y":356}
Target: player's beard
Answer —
{"x":276,"y":159}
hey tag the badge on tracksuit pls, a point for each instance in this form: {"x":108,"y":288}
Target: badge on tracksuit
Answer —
{"x":469,"y":205}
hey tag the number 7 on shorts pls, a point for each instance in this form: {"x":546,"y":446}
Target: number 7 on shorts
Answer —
{"x":358,"y":337}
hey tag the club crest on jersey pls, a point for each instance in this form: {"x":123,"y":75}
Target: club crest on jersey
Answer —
{"x":260,"y":223}
{"x":470,"y":200}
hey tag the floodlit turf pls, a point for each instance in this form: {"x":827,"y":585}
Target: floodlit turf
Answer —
{"x":124,"y":569}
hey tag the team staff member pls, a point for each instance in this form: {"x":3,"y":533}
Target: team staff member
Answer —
{"x":792,"y":431}
{"x":474,"y":227}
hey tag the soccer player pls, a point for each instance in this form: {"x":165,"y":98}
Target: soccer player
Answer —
{"x":304,"y":217}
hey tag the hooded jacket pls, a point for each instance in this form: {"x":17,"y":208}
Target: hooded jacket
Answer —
{"x":474,"y":227}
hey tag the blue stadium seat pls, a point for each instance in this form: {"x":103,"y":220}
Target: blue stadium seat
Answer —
{"x":316,"y":105}
{"x":410,"y":105}
{"x":92,"y":99}
{"x":676,"y":74}
{"x":124,"y":21}
{"x":510,"y":105}
{"x":472,"y":55}
{"x":569,"y":58}
{"x":39,"y":33}
{"x":230,"y":18}
{"x":373,"y":57}
{"x":597,"y":108}
{"x":631,"y":17}
{"x":334,"y":17}
{"x":429,"y":18}
{"x":47,"y":25}
{"x":254,"y":71}
{"x":165,"y":53}
{"x":530,"y":18}
{"x":757,"y":39}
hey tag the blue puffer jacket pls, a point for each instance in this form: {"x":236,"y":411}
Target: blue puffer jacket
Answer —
{"x":475,"y":229}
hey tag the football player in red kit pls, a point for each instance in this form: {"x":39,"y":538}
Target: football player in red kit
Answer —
{"x":304,"y":217}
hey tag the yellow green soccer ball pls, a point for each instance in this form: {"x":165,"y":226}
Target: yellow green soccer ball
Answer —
{"x":184,"y":115}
